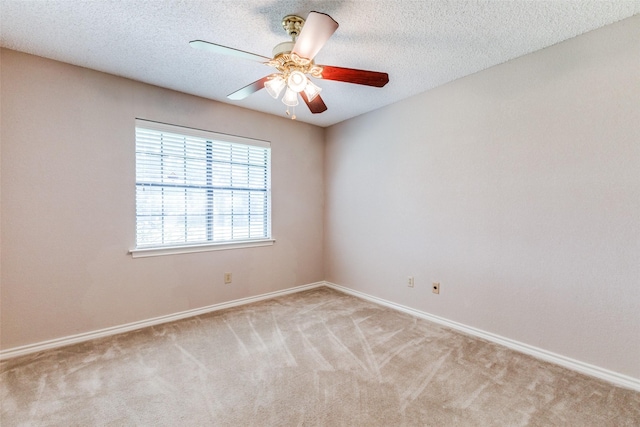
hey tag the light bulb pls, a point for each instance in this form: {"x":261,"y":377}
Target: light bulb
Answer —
{"x":297,"y":81}
{"x":290,"y":98}
{"x":274,"y":86}
{"x":311,"y":90}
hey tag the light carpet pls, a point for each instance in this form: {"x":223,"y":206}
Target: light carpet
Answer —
{"x":316,"y":358}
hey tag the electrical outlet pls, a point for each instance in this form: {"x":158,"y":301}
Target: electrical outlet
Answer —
{"x":435,"y":288}
{"x":227,"y":278}
{"x":410,"y":281}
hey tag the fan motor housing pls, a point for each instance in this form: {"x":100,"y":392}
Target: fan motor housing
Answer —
{"x":284,"y":47}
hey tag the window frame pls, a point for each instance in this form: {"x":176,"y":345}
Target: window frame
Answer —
{"x":202,"y":246}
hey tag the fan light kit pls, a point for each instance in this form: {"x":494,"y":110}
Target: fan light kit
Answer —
{"x":294,"y":62}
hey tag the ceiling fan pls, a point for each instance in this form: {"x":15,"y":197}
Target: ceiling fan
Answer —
{"x":294,"y":62}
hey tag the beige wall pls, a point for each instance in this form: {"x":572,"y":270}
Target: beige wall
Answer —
{"x":68,"y":204}
{"x":518,"y":188}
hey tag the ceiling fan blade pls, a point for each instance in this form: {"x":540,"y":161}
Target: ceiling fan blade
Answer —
{"x":248,"y":89}
{"x":351,"y":75}
{"x":316,"y":106}
{"x":216,"y":48}
{"x":317,"y":29}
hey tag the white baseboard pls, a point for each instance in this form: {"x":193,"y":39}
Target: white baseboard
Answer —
{"x":539,"y":353}
{"x":576,"y":365}
{"x":87,"y":336}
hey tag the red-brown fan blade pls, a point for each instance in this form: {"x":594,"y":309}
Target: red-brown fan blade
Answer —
{"x":216,"y":48}
{"x":351,"y":75}
{"x":317,"y":29}
{"x":248,"y":89}
{"x":316,"y":106}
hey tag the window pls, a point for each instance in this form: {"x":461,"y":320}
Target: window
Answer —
{"x":197,"y":188}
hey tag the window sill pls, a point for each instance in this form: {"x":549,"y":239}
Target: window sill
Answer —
{"x":187,"y":249}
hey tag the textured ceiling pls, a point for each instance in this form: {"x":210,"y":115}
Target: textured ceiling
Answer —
{"x":421,"y":44}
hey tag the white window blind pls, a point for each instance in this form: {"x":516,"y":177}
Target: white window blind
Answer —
{"x":199,"y":187}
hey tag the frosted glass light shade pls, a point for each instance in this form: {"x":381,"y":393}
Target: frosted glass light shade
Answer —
{"x":311,"y":90}
{"x":297,"y":81}
{"x":290,"y":98}
{"x":275,"y":86}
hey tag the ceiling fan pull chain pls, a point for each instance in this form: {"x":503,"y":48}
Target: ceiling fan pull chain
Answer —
{"x":293,"y":113}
